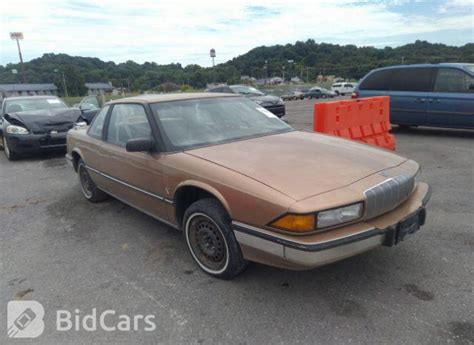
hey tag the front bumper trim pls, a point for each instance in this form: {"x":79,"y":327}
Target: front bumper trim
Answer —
{"x":315,"y":247}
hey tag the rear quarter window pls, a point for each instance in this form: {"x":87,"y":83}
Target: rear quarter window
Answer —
{"x":378,"y":80}
{"x":453,"y":80}
{"x":97,"y":125}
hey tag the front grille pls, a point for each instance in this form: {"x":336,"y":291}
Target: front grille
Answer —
{"x":389,"y":194}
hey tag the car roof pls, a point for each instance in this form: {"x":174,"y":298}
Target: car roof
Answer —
{"x":30,"y":97}
{"x":166,"y":97}
{"x":444,"y":64}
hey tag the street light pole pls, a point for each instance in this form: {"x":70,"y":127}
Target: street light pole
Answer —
{"x":17,"y":36}
{"x":283,"y":68}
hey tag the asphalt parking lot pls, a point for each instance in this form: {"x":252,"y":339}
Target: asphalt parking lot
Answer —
{"x":66,"y":253}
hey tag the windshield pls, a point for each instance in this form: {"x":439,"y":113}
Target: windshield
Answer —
{"x":27,"y":104}
{"x":246,"y":90}
{"x":198,"y":122}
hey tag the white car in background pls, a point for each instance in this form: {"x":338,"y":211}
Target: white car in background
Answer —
{"x":343,"y":88}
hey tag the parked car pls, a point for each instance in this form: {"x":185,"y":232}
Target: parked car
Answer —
{"x":272,"y":103}
{"x":319,"y":92}
{"x":34,"y":123}
{"x":439,"y":95}
{"x":293,"y":96}
{"x":89,"y":106}
{"x":216,"y":166}
{"x":343,"y":88}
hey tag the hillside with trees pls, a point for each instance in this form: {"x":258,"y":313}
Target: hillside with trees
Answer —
{"x":303,"y":59}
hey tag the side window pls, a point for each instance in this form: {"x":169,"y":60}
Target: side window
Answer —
{"x":89,"y":103}
{"x":97,"y":125}
{"x":127,"y":121}
{"x":411,"y":79}
{"x":378,"y":80}
{"x":453,"y":80}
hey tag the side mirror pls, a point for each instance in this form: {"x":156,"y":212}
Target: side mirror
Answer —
{"x":140,"y":145}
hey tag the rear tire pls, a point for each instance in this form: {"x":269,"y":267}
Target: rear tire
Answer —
{"x":211,"y":241}
{"x":89,"y":189}
{"x":11,"y":156}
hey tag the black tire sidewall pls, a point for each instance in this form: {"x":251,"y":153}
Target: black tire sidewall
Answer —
{"x":11,"y":156}
{"x":97,"y":195}
{"x":212,"y":209}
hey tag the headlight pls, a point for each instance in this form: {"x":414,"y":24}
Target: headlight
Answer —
{"x":339,"y":215}
{"x":280,"y":101}
{"x":259,"y":102}
{"x":319,"y":220}
{"x":12,"y":129}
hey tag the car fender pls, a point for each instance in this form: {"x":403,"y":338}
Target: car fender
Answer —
{"x":77,"y":151}
{"x":207,"y":188}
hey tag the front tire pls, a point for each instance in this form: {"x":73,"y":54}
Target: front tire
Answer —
{"x":211,"y":241}
{"x":11,"y":156}
{"x":89,"y":189}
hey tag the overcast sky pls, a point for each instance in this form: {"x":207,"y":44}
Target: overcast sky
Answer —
{"x":184,"y":31}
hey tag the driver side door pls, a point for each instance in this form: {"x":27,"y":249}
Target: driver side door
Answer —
{"x":135,"y":178}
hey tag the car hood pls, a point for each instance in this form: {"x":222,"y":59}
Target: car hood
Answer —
{"x":300,"y":164}
{"x":45,"y":121}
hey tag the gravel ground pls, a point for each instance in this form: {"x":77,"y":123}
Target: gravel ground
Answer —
{"x":69,"y":254}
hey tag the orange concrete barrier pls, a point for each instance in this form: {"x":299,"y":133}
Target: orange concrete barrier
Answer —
{"x":364,"y":119}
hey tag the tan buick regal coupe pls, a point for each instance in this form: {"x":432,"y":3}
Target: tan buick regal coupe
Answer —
{"x":244,"y":186}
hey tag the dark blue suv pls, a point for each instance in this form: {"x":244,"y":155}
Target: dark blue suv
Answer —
{"x":440,"y":95}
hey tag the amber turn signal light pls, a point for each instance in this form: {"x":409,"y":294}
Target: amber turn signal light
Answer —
{"x":295,"y":222}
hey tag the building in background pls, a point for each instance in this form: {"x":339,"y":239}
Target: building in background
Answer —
{"x":99,"y":88}
{"x":12,"y":90}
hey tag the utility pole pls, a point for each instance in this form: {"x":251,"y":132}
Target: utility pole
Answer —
{"x":307,"y":75}
{"x":64,"y":82}
{"x":283,"y":68}
{"x":266,"y":71}
{"x":17,"y":36}
{"x":403,"y":60}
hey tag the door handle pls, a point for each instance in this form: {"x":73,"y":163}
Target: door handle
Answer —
{"x":434,"y":100}
{"x":420,"y":100}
